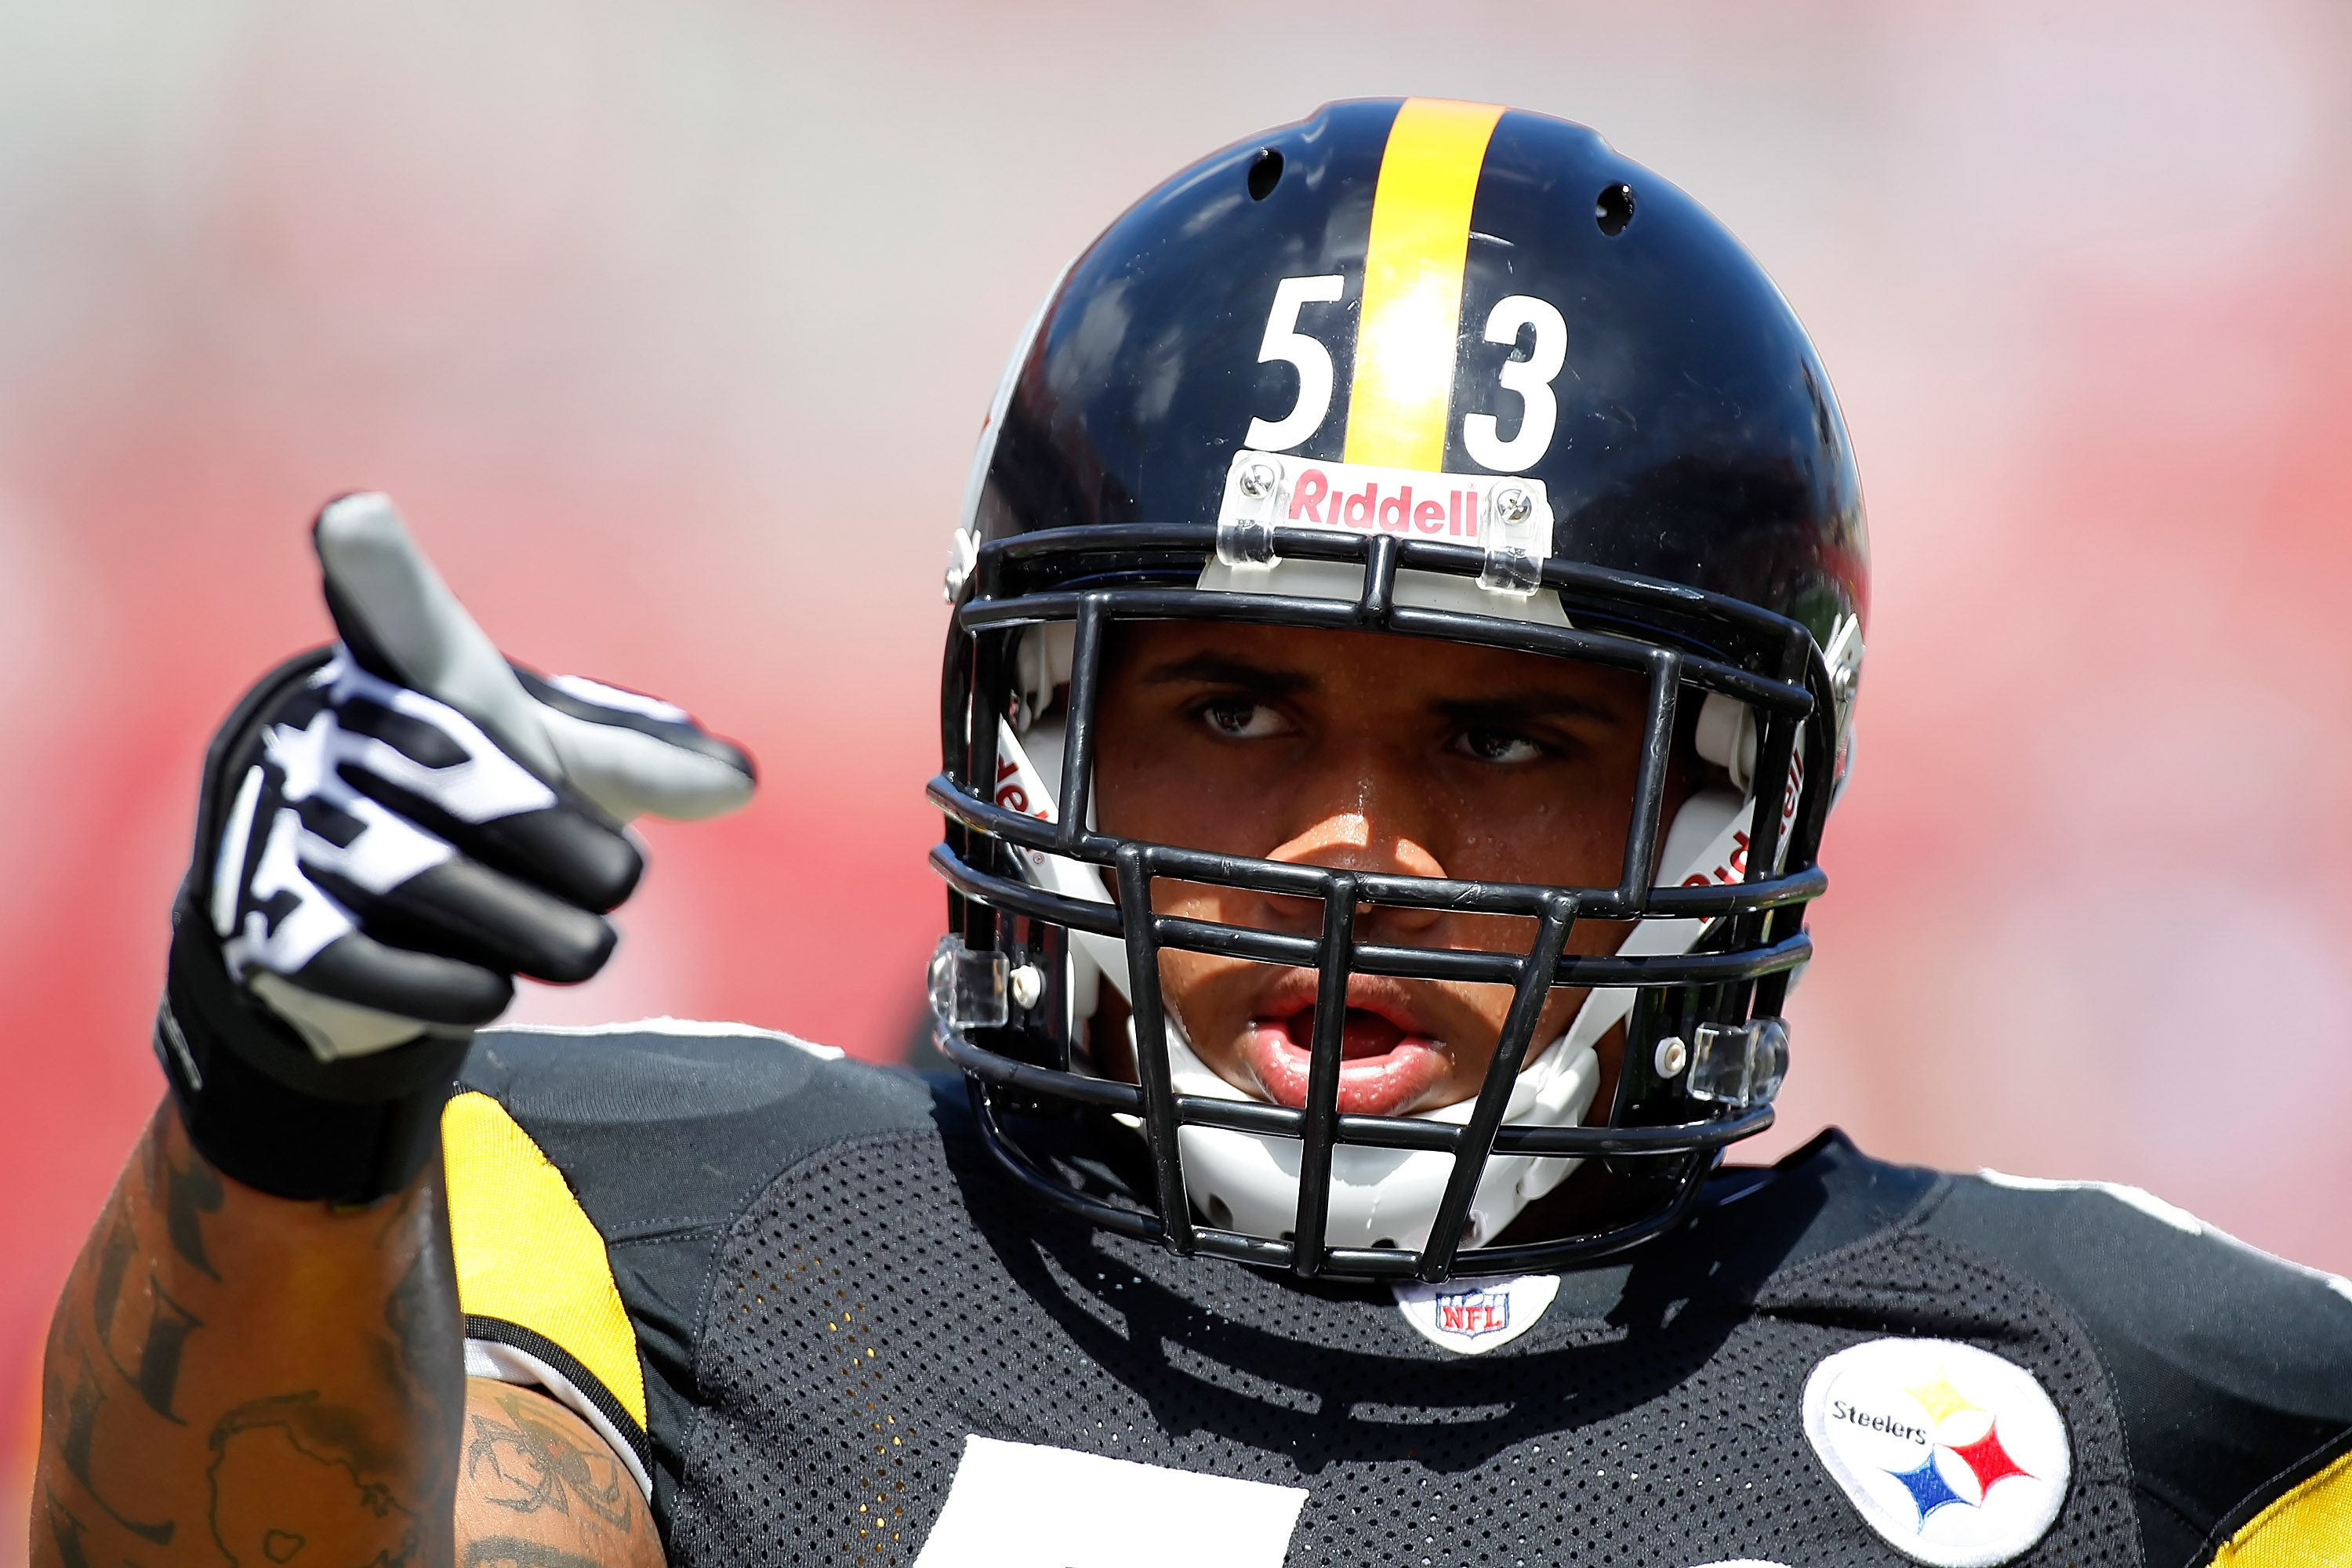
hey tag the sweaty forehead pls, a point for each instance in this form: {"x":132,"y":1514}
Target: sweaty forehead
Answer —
{"x":1373,"y":669}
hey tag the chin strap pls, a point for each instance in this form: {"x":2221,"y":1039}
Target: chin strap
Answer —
{"x":1378,"y":1197}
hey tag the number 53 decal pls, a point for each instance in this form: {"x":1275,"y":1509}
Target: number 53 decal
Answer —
{"x":1529,"y":379}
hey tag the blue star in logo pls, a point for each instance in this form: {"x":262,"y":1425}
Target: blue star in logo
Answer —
{"x":1928,"y":1488}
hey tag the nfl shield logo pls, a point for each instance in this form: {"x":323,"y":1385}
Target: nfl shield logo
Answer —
{"x":1471,"y":1316}
{"x":1474,"y":1312}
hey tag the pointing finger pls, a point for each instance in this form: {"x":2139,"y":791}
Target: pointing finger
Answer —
{"x":633,"y":754}
{"x":402,"y":623}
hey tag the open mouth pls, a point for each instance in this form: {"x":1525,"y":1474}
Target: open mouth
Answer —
{"x":1385,"y":1067}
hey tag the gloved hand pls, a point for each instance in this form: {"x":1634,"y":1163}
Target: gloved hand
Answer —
{"x":389,"y":830}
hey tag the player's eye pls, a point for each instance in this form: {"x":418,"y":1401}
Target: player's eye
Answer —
{"x":1241,"y":718}
{"x":1501,"y":746}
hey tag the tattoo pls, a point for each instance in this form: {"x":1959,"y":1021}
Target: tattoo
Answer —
{"x":294,"y":1480}
{"x":81,"y":1422}
{"x":149,"y":1156}
{"x":395,"y":1221}
{"x":191,"y":1192}
{"x":82,"y":1408}
{"x":513,"y":1551}
{"x":421,"y":1314}
{"x":159,"y":1359}
{"x":533,"y":1466}
{"x":66,"y":1530}
{"x":289,"y":1469}
{"x":157,"y":1373}
{"x":422,"y":1362}
{"x":113,"y":1262}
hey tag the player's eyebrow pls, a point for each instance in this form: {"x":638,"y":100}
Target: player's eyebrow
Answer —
{"x":1521,"y":706}
{"x":1224,"y":669}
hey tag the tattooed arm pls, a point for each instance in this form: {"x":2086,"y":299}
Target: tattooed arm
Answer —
{"x":233,"y":1374}
{"x":387,"y":833}
{"x":230,"y":1373}
{"x":537,"y":1488}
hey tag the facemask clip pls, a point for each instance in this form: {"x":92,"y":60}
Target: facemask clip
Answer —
{"x":1253,"y":487}
{"x":967,"y":988}
{"x":1738,"y":1064}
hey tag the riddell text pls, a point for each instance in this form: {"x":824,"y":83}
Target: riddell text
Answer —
{"x":1011,"y":796}
{"x":1312,"y":498}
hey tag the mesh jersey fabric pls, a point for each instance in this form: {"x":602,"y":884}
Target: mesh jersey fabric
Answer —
{"x":832,"y":1289}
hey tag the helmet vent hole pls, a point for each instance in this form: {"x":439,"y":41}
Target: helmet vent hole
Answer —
{"x":1266,"y":172}
{"x":1612,"y":210}
{"x":1220,"y":1213}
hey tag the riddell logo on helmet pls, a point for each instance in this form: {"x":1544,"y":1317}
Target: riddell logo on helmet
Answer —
{"x":1269,"y":489}
{"x":1733,"y":866}
{"x":1014,"y":782}
{"x":1315,"y":499}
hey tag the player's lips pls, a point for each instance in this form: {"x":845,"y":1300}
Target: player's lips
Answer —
{"x":1389,"y":1061}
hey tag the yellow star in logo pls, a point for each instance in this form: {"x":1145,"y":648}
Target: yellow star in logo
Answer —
{"x":1940,"y":1399}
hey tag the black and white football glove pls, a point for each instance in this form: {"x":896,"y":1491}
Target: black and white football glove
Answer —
{"x":390,"y":829}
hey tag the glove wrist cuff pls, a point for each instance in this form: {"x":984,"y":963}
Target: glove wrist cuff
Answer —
{"x":264,"y":1111}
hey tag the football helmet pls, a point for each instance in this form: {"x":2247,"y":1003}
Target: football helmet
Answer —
{"x":1429,"y":369}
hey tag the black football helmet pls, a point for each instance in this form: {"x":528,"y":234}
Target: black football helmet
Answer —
{"x":1435,"y":369}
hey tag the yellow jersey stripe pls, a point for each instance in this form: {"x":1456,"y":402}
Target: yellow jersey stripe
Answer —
{"x":2309,"y":1527}
{"x":528,"y":1254}
{"x":1404,"y":385}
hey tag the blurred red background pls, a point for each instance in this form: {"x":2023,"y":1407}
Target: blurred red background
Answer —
{"x":620,"y":301}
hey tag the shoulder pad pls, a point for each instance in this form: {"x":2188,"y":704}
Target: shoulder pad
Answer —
{"x":592,"y":1174}
{"x":682,"y":1122}
{"x":2233,"y":1369}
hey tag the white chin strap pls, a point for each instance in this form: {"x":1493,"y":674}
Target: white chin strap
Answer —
{"x":1381,"y":1197}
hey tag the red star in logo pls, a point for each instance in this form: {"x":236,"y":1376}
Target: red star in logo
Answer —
{"x":1989,"y":1461}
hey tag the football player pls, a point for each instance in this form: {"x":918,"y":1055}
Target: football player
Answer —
{"x":1406,"y":623}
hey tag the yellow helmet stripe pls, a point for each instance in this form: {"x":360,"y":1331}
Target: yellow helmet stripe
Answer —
{"x":1404,"y":385}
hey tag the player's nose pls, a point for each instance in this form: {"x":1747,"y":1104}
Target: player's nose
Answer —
{"x":1358,"y":813}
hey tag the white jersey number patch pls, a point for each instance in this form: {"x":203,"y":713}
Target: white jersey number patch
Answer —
{"x":1022,"y":1505}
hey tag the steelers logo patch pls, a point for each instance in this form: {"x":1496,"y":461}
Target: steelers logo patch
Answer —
{"x":1954,"y":1456}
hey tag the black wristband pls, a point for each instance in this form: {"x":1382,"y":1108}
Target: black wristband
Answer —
{"x":265,"y":1111}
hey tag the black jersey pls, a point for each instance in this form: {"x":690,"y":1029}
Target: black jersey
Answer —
{"x":797,"y":1294}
